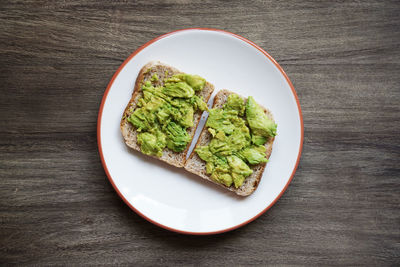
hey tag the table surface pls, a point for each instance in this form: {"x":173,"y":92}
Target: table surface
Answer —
{"x":57,"y":205}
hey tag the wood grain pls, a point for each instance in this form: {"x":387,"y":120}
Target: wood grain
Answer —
{"x":56,"y":204}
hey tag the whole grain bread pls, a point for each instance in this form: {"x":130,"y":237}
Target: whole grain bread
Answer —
{"x":129,"y":132}
{"x":196,"y":165}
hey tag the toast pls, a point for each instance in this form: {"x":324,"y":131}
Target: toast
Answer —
{"x":129,"y":132}
{"x":196,"y":165}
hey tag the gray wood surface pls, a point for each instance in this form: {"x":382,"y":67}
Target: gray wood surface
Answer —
{"x":56,"y":204}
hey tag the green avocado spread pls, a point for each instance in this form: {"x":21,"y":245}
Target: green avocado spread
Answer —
{"x":239,"y":132}
{"x":164,"y":113}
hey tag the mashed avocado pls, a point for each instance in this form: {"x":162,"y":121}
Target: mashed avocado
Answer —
{"x":239,"y":133}
{"x":164,"y":113}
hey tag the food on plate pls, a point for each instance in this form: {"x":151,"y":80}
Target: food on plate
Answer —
{"x":164,"y":111}
{"x":161,"y":118}
{"x":235,"y":144}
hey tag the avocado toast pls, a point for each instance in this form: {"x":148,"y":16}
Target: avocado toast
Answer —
{"x":164,"y":111}
{"x":234,"y":146}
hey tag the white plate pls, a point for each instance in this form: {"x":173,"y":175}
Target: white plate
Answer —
{"x":173,"y":198}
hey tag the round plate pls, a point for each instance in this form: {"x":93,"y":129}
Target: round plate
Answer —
{"x":171,"y":197}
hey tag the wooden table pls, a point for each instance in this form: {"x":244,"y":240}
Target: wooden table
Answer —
{"x":56,"y":204}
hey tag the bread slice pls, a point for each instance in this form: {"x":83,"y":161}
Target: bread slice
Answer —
{"x":196,"y":165}
{"x":129,"y":132}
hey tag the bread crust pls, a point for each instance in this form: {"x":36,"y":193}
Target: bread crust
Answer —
{"x":129,"y":133}
{"x":196,"y":165}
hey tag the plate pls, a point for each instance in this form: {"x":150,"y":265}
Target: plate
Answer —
{"x":171,"y":197}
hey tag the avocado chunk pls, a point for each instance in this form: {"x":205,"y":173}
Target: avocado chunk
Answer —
{"x":240,"y":170}
{"x":253,"y":154}
{"x":151,"y":144}
{"x":205,"y":153}
{"x":177,"y":137}
{"x":183,"y":85}
{"x":154,"y":78}
{"x":220,"y":121}
{"x":258,"y":140}
{"x":164,"y":113}
{"x":194,"y":81}
{"x":179,"y":89}
{"x":139,"y":120}
{"x":235,"y":102}
{"x":222,"y":178}
{"x":259,"y":123}
{"x":198,"y":103}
